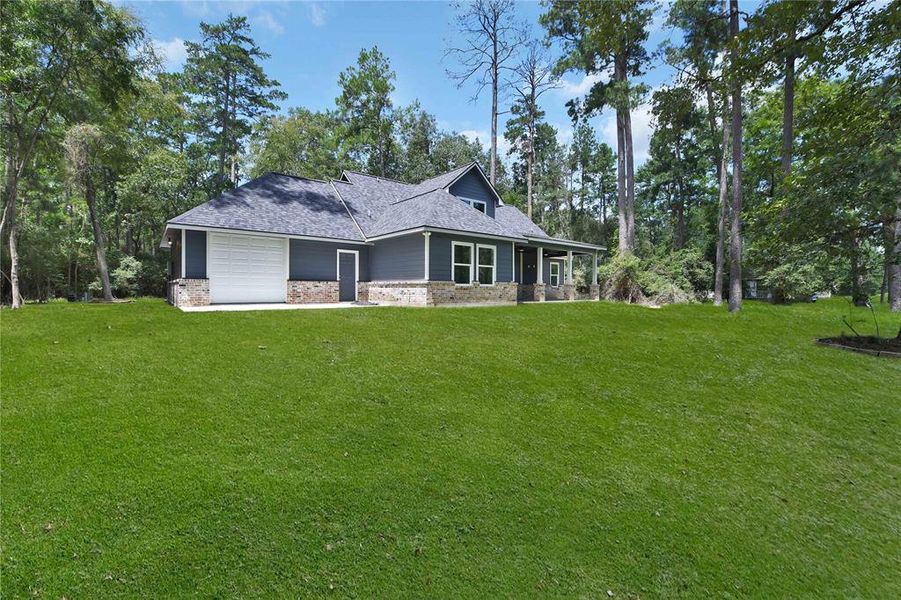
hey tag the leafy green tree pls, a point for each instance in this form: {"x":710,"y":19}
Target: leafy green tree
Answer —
{"x":55,"y":57}
{"x":677,"y":156}
{"x":303,"y":143}
{"x":229,"y":89}
{"x":533,"y":77}
{"x":367,"y":111}
{"x":597,"y":36}
{"x":417,"y":132}
{"x":490,"y":39}
{"x":453,"y":150}
{"x":84,"y":145}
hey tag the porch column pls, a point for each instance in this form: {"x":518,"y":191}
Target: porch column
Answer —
{"x":595,"y":289}
{"x":512,"y":262}
{"x":426,"y":235}
{"x":539,"y":277}
{"x":569,"y":267}
{"x":183,"y":255}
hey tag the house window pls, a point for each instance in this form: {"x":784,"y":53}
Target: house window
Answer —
{"x":487,"y":264}
{"x":462,"y":262}
{"x":479,"y":205}
{"x":555,"y":274}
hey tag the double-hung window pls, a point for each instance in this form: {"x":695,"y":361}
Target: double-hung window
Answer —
{"x":473,"y":262}
{"x":555,"y":274}
{"x":487,"y":264}
{"x":462,"y":262}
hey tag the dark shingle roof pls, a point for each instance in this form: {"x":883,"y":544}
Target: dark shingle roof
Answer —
{"x":276,"y":203}
{"x":513,"y":219}
{"x":438,"y":209}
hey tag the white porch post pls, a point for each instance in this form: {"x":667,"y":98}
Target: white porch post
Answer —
{"x":183,"y":254}
{"x":569,"y":267}
{"x":512,"y":262}
{"x":594,"y":270}
{"x":540,"y":276}
{"x":426,"y":235}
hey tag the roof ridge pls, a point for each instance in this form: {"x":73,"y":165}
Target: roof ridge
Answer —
{"x":413,"y":197}
{"x":377,"y":177}
{"x":295,"y":177}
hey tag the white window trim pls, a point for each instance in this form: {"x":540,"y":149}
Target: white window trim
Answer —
{"x":493,"y":263}
{"x":356,"y":254}
{"x":472,"y":202}
{"x":427,"y":235}
{"x":555,"y":263}
{"x":455,"y":264}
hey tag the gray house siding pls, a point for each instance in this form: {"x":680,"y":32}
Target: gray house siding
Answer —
{"x":195,"y":254}
{"x":440,"y":255}
{"x":318,"y":261}
{"x":473,"y":186}
{"x":175,"y":255}
{"x":398,"y":259}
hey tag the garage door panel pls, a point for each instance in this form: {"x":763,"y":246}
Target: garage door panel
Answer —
{"x":247,"y":268}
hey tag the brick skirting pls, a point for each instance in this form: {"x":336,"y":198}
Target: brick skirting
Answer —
{"x":312,"y":292}
{"x":532,"y":292}
{"x":594,"y":292}
{"x":188,"y":292}
{"x":437,"y":293}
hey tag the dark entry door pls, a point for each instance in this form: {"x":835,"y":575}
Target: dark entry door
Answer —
{"x":347,"y":276}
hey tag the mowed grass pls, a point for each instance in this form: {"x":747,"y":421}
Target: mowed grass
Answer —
{"x":551,"y":450}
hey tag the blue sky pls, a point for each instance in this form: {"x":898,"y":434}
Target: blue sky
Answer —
{"x":311,"y":42}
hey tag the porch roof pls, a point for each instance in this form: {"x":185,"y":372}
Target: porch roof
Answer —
{"x":563,"y":244}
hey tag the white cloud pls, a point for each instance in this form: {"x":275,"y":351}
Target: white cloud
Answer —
{"x":265,"y":19}
{"x":642,"y":128}
{"x":173,"y":53}
{"x":571,"y":89}
{"x":484,"y":138}
{"x":317,"y":14}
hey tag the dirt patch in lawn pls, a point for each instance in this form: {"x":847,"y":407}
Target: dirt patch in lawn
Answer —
{"x":866,"y":344}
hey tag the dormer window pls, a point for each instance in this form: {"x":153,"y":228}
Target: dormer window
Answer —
{"x":479,"y":205}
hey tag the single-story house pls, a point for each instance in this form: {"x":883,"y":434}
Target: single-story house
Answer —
{"x":447,"y":240}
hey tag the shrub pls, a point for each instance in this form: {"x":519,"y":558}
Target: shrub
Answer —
{"x":620,"y":279}
{"x":124,"y":277}
{"x":152,"y":276}
{"x":792,"y":281}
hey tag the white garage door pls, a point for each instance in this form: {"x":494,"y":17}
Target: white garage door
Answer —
{"x":247,"y":268}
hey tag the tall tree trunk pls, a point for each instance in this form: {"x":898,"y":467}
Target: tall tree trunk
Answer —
{"x":894,"y":280}
{"x":679,"y":208}
{"x":494,"y":83}
{"x":630,"y":177}
{"x":16,"y":296}
{"x":735,"y":291}
{"x":857,"y":278}
{"x":621,"y":186}
{"x":788,"y":115}
{"x":99,"y":249}
{"x":530,"y":167}
{"x":722,"y":169}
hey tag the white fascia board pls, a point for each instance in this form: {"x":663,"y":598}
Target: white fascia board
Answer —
{"x":311,"y":238}
{"x":448,"y":231}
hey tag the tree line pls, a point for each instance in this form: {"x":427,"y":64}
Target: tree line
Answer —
{"x":774,"y":153}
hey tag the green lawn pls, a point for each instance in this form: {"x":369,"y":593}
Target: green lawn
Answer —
{"x":558,"y":450}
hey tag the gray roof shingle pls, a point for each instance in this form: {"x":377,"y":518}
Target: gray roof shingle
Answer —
{"x":284,"y":204}
{"x":439,"y":209}
{"x":513,"y":219}
{"x":276,"y":203}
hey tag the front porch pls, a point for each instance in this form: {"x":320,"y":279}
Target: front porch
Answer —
{"x":543,"y":269}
